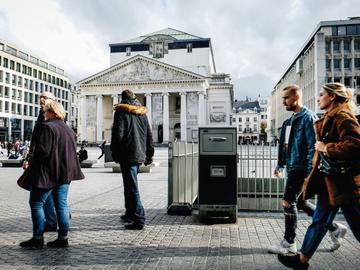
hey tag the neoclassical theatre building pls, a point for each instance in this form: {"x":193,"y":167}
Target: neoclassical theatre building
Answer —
{"x":172,"y":73}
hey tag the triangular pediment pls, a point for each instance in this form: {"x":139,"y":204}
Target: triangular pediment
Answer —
{"x":140,"y":69}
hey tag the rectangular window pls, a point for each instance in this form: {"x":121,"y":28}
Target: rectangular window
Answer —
{"x":247,"y":119}
{"x":347,"y":63}
{"x":5,"y":63}
{"x":255,"y":128}
{"x":1,"y":91}
{"x":7,"y":106}
{"x":12,"y":65}
{"x":25,"y":109}
{"x":13,"y":93}
{"x":336,"y":46}
{"x":30,"y":97}
{"x":19,"y":81}
{"x":1,"y":75}
{"x":327,"y":46}
{"x":351,"y":30}
{"x":35,"y":73}
{"x":128,"y":51}
{"x":357,"y":63}
{"x":7,"y":77}
{"x":336,"y":63}
{"x":255,"y":119}
{"x":26,"y":95}
{"x":30,"y":110}
{"x":357,"y":45}
{"x":18,"y":67}
{"x":19,"y":109}
{"x":24,"y":68}
{"x":328,"y":64}
{"x":13,"y":81}
{"x":189,"y":47}
{"x":341,"y":31}
{"x":334,"y":30}
{"x":19,"y":95}
{"x":240,"y":128}
{"x":7,"y":92}
{"x":346,"y":45}
{"x":347,"y":81}
{"x":13,"y":108}
{"x":26,"y":83}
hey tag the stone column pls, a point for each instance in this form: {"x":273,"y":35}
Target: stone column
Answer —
{"x":9,"y":130}
{"x":165,"y":117}
{"x":201,"y":114}
{"x":99,"y":118}
{"x":148,"y":106}
{"x":183,"y":117}
{"x":115,"y":99}
{"x":83,"y":118}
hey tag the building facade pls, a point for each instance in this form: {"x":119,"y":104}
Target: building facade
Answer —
{"x":172,"y":73}
{"x":331,"y":54}
{"x":23,"y":77}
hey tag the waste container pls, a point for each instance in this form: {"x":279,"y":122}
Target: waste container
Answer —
{"x":217,"y":173}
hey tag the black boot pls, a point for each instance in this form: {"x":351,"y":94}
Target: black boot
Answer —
{"x":293,"y":262}
{"x":33,"y":243}
{"x":58,"y":243}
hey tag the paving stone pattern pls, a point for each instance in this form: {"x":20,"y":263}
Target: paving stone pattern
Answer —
{"x":98,"y":239}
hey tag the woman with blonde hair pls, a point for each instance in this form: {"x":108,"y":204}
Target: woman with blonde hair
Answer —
{"x":335,"y":176}
{"x":53,"y":165}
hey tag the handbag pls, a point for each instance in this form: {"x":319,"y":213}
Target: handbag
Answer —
{"x":24,"y":180}
{"x":332,"y":167}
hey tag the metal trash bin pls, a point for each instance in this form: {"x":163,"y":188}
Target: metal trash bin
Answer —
{"x":217,"y":173}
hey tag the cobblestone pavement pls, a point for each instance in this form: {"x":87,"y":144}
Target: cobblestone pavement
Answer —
{"x":98,"y":239}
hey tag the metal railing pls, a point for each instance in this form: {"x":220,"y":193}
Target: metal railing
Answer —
{"x":182,"y":177}
{"x":258,"y":189}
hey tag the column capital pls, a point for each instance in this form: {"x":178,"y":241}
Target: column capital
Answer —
{"x":99,"y":96}
{"x":202,"y":92}
{"x":182,"y":93}
{"x":165,"y":94}
{"x":148,"y":94}
{"x":114,"y":95}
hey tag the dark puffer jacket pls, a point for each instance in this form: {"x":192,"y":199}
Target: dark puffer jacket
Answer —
{"x":131,"y":137}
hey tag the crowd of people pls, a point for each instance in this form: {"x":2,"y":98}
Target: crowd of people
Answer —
{"x":17,"y":149}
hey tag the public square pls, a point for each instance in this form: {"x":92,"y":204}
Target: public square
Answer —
{"x":98,"y":240}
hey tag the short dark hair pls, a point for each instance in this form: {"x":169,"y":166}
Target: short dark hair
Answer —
{"x":127,"y":94}
{"x":293,"y":88}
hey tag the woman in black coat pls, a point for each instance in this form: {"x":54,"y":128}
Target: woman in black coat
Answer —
{"x":53,"y":166}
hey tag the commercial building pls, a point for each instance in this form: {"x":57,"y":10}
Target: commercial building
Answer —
{"x":173,"y":73}
{"x":23,"y":77}
{"x":331,"y":54}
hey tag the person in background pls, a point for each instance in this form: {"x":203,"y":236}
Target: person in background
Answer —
{"x":50,"y":213}
{"x":102,"y":148}
{"x":82,"y":154}
{"x":54,"y":164}
{"x":131,"y":145}
{"x":338,"y":139}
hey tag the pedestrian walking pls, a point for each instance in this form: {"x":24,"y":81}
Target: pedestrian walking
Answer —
{"x":296,"y":150}
{"x":102,"y":148}
{"x":335,"y":175}
{"x":131,"y":145}
{"x":49,"y":208}
{"x":54,"y":164}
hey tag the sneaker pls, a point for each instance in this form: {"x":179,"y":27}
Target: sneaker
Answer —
{"x":337,"y":236}
{"x":33,"y":243}
{"x":58,"y":243}
{"x":126,"y":219}
{"x":284,"y":247}
{"x":293,"y":261}
{"x":134,"y":226}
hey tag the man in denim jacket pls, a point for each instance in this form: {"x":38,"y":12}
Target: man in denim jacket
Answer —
{"x":296,"y":150}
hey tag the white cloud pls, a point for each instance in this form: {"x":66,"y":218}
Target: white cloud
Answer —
{"x":254,"y":40}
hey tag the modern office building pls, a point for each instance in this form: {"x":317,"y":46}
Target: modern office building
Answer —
{"x":173,"y":73}
{"x":23,"y":77}
{"x":331,"y":54}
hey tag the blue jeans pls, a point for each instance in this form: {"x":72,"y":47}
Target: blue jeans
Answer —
{"x":292,"y":194}
{"x":50,"y":213}
{"x":133,"y":205}
{"x":37,"y":201}
{"x":322,"y":220}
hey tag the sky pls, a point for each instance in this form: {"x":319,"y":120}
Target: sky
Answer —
{"x":254,"y":41}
